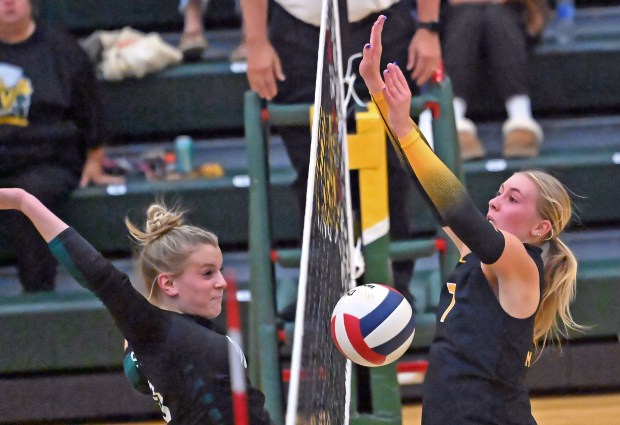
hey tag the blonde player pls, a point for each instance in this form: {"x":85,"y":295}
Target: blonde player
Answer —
{"x":182,"y":360}
{"x":512,"y":286}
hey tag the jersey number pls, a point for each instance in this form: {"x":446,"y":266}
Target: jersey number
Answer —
{"x":452,"y":290}
{"x":160,"y":401}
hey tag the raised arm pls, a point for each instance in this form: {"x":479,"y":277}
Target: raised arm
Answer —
{"x":506,"y":263}
{"x":442,"y":188}
{"x":46,"y":222}
{"x":134,"y":315}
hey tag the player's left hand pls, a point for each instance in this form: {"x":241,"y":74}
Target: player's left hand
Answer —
{"x":370,"y":66}
{"x":398,"y":97}
{"x":424,"y":55}
{"x":93,"y":170}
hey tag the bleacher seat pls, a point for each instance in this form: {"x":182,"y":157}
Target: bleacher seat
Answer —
{"x":574,"y":92}
{"x":85,"y":16}
{"x":576,"y":78}
{"x":197,"y":98}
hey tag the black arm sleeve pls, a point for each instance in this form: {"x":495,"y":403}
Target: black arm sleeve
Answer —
{"x":136,"y":318}
{"x":446,"y":194}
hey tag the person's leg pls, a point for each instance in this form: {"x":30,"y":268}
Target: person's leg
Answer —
{"x":461,"y":47}
{"x":461,"y":44}
{"x":35,"y":264}
{"x":193,"y":41}
{"x":296,"y":44}
{"x":507,"y":48}
{"x":297,"y":143}
{"x":395,"y":39}
{"x":240,"y":52}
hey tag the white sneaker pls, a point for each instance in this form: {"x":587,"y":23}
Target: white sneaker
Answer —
{"x":469,"y":143}
{"x":522,"y":138}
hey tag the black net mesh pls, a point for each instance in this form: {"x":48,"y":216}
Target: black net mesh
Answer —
{"x":322,"y":392}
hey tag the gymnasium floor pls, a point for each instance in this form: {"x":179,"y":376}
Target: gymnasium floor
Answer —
{"x":598,"y":409}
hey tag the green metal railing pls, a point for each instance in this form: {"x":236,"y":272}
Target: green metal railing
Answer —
{"x":265,"y":370}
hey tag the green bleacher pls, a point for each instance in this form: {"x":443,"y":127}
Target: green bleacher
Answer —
{"x":64,"y":349}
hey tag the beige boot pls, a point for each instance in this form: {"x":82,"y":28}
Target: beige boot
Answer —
{"x":240,"y":53}
{"x":193,"y":46}
{"x":522,"y":138}
{"x":470,"y":145}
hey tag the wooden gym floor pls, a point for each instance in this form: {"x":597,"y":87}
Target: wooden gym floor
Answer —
{"x":597,"y":409}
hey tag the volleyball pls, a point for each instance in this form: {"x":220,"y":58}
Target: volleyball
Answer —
{"x":372,"y":325}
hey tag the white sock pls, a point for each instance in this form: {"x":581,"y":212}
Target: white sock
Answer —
{"x":519,"y":107}
{"x":460,"y":108}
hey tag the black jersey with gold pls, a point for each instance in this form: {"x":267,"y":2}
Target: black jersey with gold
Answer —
{"x":479,"y":355}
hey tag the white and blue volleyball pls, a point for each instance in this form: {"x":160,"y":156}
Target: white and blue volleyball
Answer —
{"x":373,"y":325}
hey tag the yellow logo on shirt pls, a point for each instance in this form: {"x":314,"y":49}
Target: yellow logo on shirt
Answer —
{"x":15,"y":96}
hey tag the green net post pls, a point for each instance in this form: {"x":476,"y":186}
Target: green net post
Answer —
{"x":385,"y":404}
{"x":439,"y":99}
{"x":265,"y":370}
{"x":368,"y":155}
{"x":447,"y":149}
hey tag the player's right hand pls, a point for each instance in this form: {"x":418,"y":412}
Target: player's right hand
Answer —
{"x":398,"y":97}
{"x":264,"y":68}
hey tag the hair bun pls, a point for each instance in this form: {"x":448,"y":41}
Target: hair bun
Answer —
{"x":159,"y":219}
{"x":155,"y":221}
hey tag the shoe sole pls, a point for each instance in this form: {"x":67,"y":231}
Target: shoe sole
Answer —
{"x":520,"y":144}
{"x":470,"y":146}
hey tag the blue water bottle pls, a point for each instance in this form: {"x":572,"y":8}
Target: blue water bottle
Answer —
{"x":184,"y":154}
{"x":565,"y":21}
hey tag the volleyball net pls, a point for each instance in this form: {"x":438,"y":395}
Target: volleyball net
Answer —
{"x":323,"y":387}
{"x":319,"y":388}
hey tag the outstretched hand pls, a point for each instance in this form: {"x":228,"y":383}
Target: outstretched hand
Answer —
{"x":398,"y":97}
{"x":10,"y":199}
{"x":48,"y":224}
{"x":370,"y":66}
{"x":393,"y":83}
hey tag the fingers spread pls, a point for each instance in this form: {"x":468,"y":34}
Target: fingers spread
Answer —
{"x":399,"y":79}
{"x":391,"y":92}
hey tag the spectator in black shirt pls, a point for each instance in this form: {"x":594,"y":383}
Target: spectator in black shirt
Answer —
{"x":51,"y":129}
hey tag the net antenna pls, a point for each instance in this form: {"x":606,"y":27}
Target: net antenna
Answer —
{"x":319,"y":388}
{"x":349,"y":81}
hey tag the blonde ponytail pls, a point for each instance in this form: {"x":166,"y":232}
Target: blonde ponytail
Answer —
{"x":554,"y":320}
